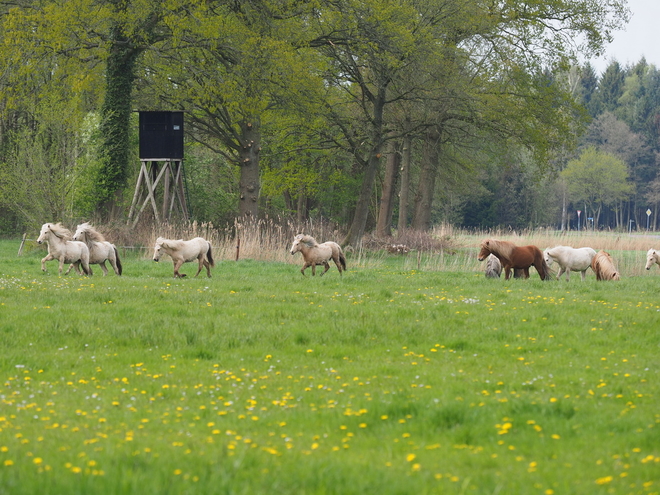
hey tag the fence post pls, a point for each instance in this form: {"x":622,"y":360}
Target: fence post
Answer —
{"x":20,"y":249}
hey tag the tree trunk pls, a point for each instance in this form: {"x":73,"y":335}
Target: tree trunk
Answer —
{"x":405,"y":185}
{"x":564,"y":211}
{"x":384,"y":223}
{"x":249,"y":182}
{"x":426,"y":187}
{"x":359,"y":223}
{"x":115,"y":123}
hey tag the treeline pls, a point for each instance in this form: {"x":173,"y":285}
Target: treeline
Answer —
{"x":367,"y":113}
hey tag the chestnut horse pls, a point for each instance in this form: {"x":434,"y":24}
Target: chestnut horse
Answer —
{"x":515,"y":257}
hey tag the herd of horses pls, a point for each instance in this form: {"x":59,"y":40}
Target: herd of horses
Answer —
{"x":518,"y":259}
{"x":88,"y":247}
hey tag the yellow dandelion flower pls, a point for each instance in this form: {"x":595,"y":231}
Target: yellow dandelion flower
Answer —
{"x":411,"y":457}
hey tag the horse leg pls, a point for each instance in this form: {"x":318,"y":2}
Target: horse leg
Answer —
{"x":584,"y":274}
{"x":561,"y":270}
{"x":75,"y":265}
{"x":103,"y":267}
{"x":62,"y":265}
{"x":177,"y":265}
{"x":336,"y":260}
{"x":327,"y":267}
{"x":208,"y":268}
{"x":302,"y":270}
{"x":313,"y":269}
{"x":507,"y":273}
{"x":526,"y":272}
{"x":200,"y":264}
{"x":43,"y":261}
{"x":568,"y":274}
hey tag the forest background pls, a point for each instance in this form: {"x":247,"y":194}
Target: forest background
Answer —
{"x":371,"y":115}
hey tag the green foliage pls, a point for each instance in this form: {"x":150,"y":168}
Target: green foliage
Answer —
{"x":261,"y":381}
{"x":597,"y":178}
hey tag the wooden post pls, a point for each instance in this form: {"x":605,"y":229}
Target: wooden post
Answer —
{"x":238,"y":247}
{"x":20,"y":249}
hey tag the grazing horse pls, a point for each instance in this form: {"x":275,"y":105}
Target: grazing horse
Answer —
{"x":183,"y":251}
{"x":569,"y":258}
{"x":100,"y":250}
{"x":62,"y":248}
{"x":493,"y":267}
{"x":652,"y":256}
{"x":603,"y":265}
{"x":515,"y":257}
{"x":318,"y":254}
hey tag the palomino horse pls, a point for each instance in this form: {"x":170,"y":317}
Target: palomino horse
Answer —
{"x":603,"y":266}
{"x":652,"y":256}
{"x":569,"y":258}
{"x":100,"y":250}
{"x":183,"y":251}
{"x":62,"y":248}
{"x":318,"y":254}
{"x":515,"y":257}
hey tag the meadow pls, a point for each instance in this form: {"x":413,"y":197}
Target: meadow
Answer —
{"x":408,"y":374}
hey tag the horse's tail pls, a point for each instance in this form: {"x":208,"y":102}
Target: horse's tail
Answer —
{"x":342,"y":258}
{"x":118,"y":261}
{"x":209,"y":255}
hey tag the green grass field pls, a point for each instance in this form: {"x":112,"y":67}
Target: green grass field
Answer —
{"x":387,"y":380}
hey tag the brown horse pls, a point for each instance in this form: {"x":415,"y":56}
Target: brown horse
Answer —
{"x":515,"y":257}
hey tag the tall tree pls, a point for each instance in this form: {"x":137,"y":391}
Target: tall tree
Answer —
{"x":598,"y":179}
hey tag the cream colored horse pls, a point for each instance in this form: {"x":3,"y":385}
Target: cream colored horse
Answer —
{"x":569,"y":258}
{"x":62,"y":248}
{"x":652,"y":256}
{"x":318,"y":254}
{"x":183,"y":251}
{"x":100,"y":250}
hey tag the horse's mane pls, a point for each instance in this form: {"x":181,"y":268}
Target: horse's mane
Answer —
{"x":307,"y":240}
{"x":91,"y":233}
{"x":604,"y":266}
{"x":503,"y":248}
{"x":60,"y":231}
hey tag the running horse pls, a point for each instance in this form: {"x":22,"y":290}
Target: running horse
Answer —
{"x":515,"y":257}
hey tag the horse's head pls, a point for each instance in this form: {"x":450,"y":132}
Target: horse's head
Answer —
{"x":158,"y":248}
{"x":485,"y":252}
{"x":296,"y":246}
{"x":650,"y":258}
{"x":548,"y":259}
{"x":43,"y":234}
{"x":80,"y":232}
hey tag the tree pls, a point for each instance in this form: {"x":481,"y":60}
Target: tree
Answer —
{"x":597,"y":179}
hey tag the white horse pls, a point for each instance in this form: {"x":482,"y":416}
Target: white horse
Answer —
{"x":652,"y":256}
{"x":493,"y":266}
{"x":62,"y":248}
{"x":568,"y":258}
{"x":100,"y":250}
{"x":318,"y":254}
{"x":183,"y":251}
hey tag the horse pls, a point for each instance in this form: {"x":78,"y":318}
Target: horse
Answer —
{"x":62,"y":248}
{"x":183,"y":251}
{"x":652,"y":256}
{"x":100,"y":250}
{"x":603,"y":266}
{"x":568,"y":258}
{"x":515,"y":257}
{"x":318,"y":254}
{"x":493,"y":267}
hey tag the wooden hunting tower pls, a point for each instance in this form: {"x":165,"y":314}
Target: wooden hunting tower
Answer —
{"x":161,"y":162}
